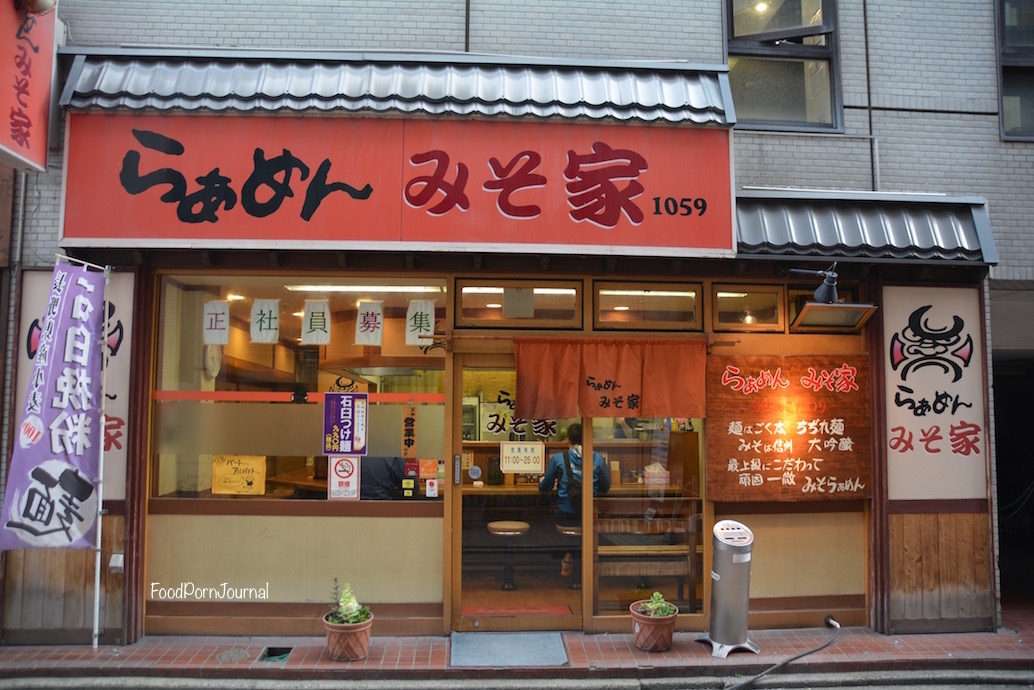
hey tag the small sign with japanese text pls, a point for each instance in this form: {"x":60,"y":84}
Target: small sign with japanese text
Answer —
{"x":522,"y":457}
{"x":343,"y":477}
{"x":345,"y":418}
{"x":239,"y":474}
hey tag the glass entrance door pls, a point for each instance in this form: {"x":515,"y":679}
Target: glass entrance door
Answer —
{"x":509,"y":553}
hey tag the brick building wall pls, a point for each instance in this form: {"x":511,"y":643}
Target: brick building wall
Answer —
{"x":929,"y":70}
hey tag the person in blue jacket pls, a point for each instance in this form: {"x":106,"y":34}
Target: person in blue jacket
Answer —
{"x":556,"y":474}
{"x":569,"y":514}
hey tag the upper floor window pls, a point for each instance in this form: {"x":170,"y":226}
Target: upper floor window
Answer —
{"x":1016,"y":46}
{"x":782,"y":63}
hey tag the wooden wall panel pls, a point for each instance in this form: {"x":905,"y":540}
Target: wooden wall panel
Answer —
{"x":940,"y":572}
{"x":48,"y":593}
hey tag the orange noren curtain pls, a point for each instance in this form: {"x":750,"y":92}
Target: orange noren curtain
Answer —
{"x":547,"y":378}
{"x":611,"y":381}
{"x":610,"y":378}
{"x":674,"y":373}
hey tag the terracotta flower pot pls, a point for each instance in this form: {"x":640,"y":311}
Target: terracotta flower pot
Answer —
{"x":348,"y":641}
{"x":651,"y":633}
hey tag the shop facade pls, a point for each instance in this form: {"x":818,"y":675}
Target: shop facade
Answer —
{"x":480,"y":270}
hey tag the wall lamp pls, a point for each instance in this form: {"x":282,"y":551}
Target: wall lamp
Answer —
{"x":826,"y":314}
{"x":826,"y":292}
{"x":36,"y":6}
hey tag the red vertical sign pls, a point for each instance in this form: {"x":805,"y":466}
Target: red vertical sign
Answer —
{"x":26,"y":75}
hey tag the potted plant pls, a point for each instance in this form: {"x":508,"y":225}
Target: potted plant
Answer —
{"x":348,"y":626}
{"x":653,"y":623}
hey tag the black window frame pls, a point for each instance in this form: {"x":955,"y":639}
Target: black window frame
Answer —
{"x":789,"y":45}
{"x":1012,"y":59}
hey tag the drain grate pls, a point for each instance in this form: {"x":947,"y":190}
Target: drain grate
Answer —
{"x":275,"y":653}
{"x":233,"y":655}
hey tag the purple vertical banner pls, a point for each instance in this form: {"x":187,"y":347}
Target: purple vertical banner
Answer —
{"x":52,"y":485}
{"x":344,"y":423}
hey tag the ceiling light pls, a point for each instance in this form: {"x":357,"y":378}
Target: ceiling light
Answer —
{"x":492,"y":290}
{"x":364,"y":288}
{"x":494,"y":305}
{"x":621,"y":308}
{"x":234,"y":298}
{"x":648,"y":293}
{"x":761,"y":6}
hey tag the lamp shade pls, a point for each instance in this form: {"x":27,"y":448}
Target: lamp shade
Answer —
{"x":39,"y":6}
{"x":826,"y":293}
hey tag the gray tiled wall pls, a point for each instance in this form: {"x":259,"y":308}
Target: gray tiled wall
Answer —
{"x":927,"y":67}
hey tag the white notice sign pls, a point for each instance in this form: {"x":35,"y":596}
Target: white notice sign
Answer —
{"x":522,"y":457}
{"x":343,"y":477}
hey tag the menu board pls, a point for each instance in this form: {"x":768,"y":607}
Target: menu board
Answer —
{"x":788,"y":428}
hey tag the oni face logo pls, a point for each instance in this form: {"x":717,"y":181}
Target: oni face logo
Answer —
{"x":923,"y":344}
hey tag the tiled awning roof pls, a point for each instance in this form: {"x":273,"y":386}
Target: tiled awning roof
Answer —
{"x":868,"y":226}
{"x":459,"y":85}
{"x":770,"y":223}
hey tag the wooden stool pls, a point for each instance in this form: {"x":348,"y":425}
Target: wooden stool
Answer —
{"x":573,"y":532}
{"x":508,"y":529}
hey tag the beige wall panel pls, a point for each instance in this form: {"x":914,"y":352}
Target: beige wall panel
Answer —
{"x":813,"y":554}
{"x":386,"y":560}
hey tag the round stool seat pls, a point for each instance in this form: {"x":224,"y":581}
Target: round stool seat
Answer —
{"x":569,"y":530}
{"x":508,"y":528}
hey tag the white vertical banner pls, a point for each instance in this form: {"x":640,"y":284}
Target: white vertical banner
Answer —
{"x":316,"y":322}
{"x":215,"y":323}
{"x":369,"y":323}
{"x":420,"y":322}
{"x":265,"y":321}
{"x":935,"y":383}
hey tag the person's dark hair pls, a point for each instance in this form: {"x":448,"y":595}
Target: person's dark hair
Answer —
{"x":574,"y":433}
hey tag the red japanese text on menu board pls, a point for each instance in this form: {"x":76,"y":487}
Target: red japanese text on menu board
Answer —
{"x":788,"y":428}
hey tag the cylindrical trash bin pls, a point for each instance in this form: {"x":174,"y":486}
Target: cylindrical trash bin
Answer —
{"x":730,"y":588}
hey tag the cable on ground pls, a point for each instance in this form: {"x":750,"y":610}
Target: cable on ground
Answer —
{"x":830,"y":623}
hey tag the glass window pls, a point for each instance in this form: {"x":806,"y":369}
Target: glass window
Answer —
{"x":782,"y":63}
{"x":1016,"y":46}
{"x":245,"y":418}
{"x":748,"y":308}
{"x":648,"y":526}
{"x":647,"y":306}
{"x":518,"y":304}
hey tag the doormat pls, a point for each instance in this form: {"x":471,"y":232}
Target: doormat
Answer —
{"x":475,"y":611}
{"x":500,"y":650}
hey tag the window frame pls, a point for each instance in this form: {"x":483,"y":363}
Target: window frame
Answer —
{"x":785,"y":45}
{"x":463,"y":321}
{"x":1019,"y":58}
{"x":777,"y":292}
{"x":599,"y":324}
